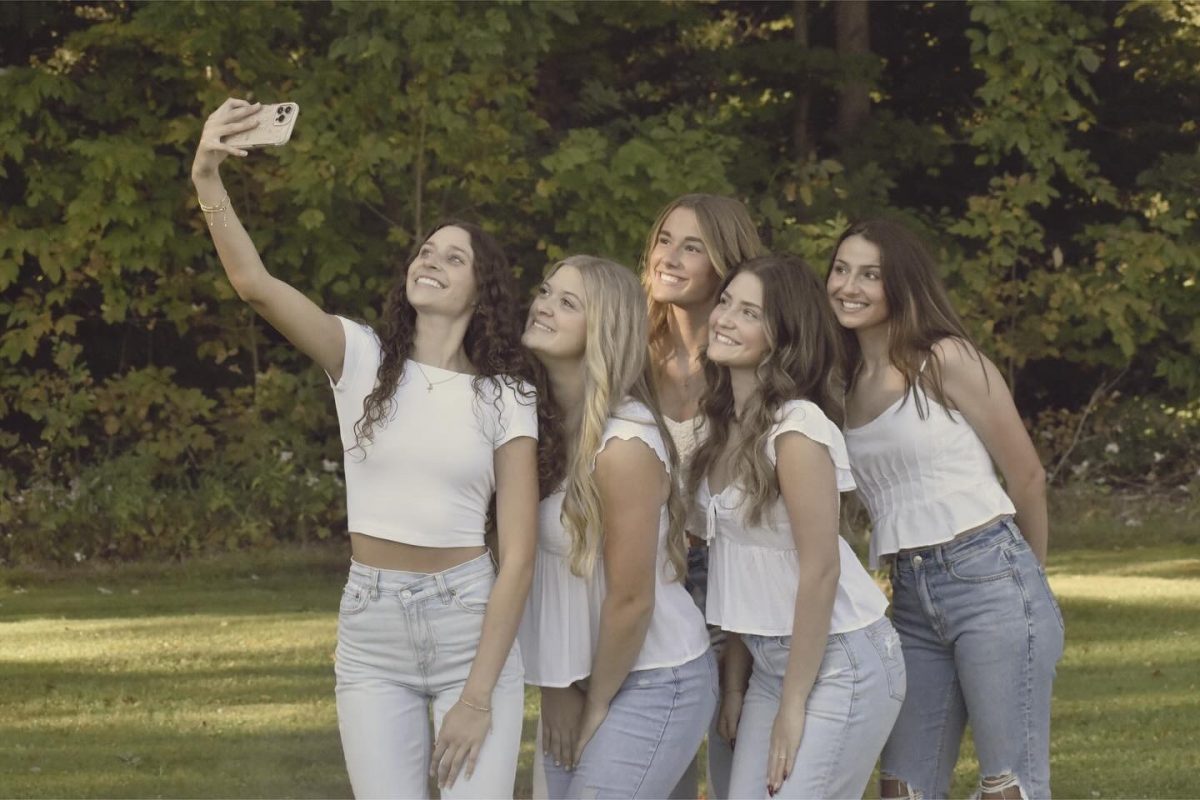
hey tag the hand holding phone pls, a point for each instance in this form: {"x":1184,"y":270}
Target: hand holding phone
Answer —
{"x":273,"y":127}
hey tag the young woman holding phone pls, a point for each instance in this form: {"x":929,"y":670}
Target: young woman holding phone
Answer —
{"x":433,"y":425}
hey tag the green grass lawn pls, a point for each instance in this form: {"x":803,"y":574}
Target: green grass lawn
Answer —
{"x":215,"y":678}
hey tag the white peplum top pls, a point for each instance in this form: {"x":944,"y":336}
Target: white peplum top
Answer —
{"x":754,"y":571}
{"x":561,"y":622}
{"x":924,"y":481}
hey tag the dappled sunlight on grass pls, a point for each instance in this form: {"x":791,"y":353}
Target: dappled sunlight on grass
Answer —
{"x":216,"y":679}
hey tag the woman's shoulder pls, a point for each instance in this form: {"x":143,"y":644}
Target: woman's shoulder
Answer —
{"x":954,"y":353}
{"x":632,"y":419}
{"x":800,"y":411}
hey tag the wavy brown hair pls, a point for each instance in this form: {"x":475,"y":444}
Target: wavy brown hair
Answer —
{"x":919,"y":311}
{"x":616,"y":368}
{"x":802,"y":361}
{"x":492,"y":341}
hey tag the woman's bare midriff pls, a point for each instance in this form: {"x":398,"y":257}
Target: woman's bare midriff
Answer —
{"x":384,"y":554}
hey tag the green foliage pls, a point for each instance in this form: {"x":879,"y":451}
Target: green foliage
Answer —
{"x":1047,"y":151}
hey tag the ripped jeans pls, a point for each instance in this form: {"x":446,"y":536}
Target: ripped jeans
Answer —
{"x":982,"y":634}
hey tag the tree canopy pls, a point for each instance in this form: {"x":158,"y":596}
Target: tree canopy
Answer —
{"x":1046,"y":150}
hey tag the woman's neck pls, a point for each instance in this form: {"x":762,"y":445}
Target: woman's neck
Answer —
{"x":744,"y":383}
{"x":874,"y":346}
{"x":438,"y":342}
{"x":566,"y":382}
{"x":688,"y":331}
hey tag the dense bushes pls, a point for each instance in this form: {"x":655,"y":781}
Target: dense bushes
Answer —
{"x":1048,"y":150}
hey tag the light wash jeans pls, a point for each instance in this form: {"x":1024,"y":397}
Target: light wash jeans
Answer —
{"x":850,"y":711}
{"x":654,"y":727}
{"x":406,"y":641}
{"x":982,"y":634}
{"x":719,"y":753}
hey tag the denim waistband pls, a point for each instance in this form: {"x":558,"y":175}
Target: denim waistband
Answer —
{"x":419,"y":585}
{"x":1001,"y":530}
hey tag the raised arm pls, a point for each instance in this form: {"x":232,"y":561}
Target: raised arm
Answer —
{"x":808,"y":485}
{"x":315,"y":333}
{"x":633,"y":487}
{"x":987,"y":406}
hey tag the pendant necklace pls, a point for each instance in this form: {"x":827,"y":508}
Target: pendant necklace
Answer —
{"x":430,"y":384}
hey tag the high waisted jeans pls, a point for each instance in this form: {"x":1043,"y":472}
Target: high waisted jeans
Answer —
{"x":982,"y":634}
{"x":849,"y":713}
{"x":654,"y":727}
{"x":406,"y":641}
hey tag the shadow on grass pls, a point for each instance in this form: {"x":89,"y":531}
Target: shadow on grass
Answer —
{"x":140,"y":760}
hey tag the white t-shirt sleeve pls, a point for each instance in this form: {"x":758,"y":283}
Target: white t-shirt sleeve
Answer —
{"x":517,"y":415}
{"x":360,"y":342}
{"x":807,"y":418}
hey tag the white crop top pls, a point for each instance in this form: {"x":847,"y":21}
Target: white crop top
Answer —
{"x":428,"y":475}
{"x":924,"y":481}
{"x":754,"y":571}
{"x":561,"y":623}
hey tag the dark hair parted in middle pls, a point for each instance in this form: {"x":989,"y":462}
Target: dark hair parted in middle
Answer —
{"x":919,"y":310}
{"x":803,"y":361}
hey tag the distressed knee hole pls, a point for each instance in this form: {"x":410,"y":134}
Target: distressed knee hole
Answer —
{"x":892,"y":788}
{"x":1000,"y":787}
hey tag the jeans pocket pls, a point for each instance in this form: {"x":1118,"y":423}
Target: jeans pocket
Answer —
{"x":982,"y":565}
{"x":1050,"y":595}
{"x":472,"y":598}
{"x":886,"y":642}
{"x":354,"y":599}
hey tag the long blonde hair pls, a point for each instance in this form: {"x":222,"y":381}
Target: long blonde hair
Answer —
{"x":616,"y":366}
{"x":729,"y":236}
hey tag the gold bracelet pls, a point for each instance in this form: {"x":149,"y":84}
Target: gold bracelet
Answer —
{"x":480,"y":709}
{"x":219,"y":208}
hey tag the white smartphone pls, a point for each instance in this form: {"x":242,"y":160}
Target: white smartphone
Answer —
{"x":275,"y":123}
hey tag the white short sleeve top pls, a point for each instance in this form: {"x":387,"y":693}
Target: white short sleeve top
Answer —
{"x":924,"y":481}
{"x":561,"y":623}
{"x":754,"y":571}
{"x":428,"y":475}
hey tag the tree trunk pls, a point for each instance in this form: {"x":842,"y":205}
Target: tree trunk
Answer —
{"x":851,"y":20}
{"x":803,"y":89}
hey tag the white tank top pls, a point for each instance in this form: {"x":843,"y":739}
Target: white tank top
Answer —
{"x":924,"y":481}
{"x":688,"y":435}
{"x":561,"y":623}
{"x":754,"y":571}
{"x":429,"y":473}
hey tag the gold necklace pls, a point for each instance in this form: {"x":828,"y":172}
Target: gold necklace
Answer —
{"x":430,"y":384}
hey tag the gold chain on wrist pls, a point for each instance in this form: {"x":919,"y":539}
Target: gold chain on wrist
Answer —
{"x":219,"y":208}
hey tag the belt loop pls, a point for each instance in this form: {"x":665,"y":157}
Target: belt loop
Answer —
{"x":940,"y":551}
{"x":440,"y":579}
{"x":374,"y":584}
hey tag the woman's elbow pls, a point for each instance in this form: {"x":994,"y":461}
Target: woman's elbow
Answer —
{"x":633,"y":605}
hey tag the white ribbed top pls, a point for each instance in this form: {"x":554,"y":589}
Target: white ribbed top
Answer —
{"x":754,"y":571}
{"x":561,"y":622}
{"x":924,"y":481}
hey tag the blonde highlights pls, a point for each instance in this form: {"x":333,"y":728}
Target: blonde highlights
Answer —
{"x":729,"y":235}
{"x":616,"y":367}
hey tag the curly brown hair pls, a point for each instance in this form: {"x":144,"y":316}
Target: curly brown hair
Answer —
{"x":492,"y":341}
{"x":803,"y":361}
